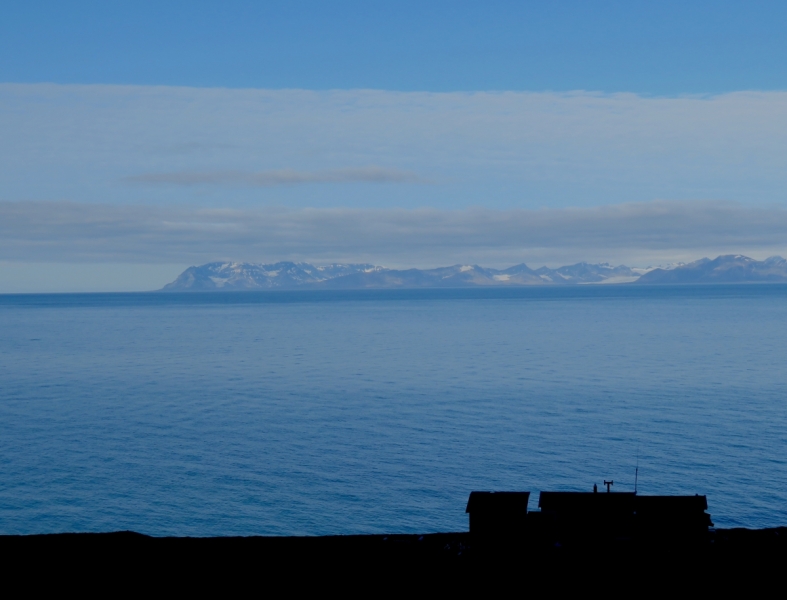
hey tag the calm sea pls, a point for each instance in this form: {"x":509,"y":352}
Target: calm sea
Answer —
{"x":377,"y":411}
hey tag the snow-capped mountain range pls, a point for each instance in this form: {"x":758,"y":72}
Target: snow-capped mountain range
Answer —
{"x":225,"y":276}
{"x":732,"y":268}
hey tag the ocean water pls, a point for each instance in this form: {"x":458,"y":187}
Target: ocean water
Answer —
{"x":378,"y":411}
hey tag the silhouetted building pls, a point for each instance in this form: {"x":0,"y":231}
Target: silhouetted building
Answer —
{"x":581,"y":518}
{"x":660,"y":517}
{"x":496,"y":514}
{"x":591,"y":516}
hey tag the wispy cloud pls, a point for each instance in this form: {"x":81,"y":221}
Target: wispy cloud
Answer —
{"x":229,"y":147}
{"x":369,"y":174}
{"x":633,"y":233}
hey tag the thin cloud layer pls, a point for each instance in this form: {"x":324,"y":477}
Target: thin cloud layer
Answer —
{"x":225,"y":147}
{"x":279,"y":177}
{"x":633,"y":233}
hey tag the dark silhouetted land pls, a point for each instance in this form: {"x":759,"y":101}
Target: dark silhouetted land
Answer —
{"x":378,"y":563}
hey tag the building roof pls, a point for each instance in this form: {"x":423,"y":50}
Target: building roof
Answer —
{"x":586,"y":501}
{"x":498,"y":502}
{"x":671,"y":504}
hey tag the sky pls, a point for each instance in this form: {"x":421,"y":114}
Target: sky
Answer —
{"x":137,"y":139}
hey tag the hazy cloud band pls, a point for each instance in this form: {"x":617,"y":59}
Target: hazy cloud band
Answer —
{"x":278,"y":177}
{"x":632,"y":233}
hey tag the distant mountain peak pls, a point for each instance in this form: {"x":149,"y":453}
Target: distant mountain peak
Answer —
{"x":237,"y":276}
{"x":728,"y":268}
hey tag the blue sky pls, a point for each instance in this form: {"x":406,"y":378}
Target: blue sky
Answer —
{"x":137,"y":138}
{"x":658,"y":48}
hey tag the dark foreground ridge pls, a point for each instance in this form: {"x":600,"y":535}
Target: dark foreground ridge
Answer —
{"x":728,"y":557}
{"x":575,"y":541}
